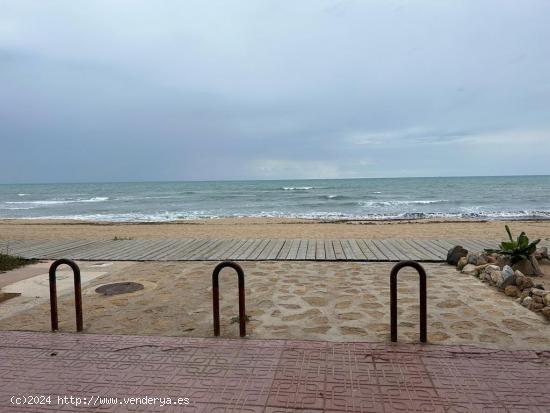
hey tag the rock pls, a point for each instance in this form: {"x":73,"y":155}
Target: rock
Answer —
{"x":512,"y":291}
{"x":528,"y":267}
{"x":539,"y":286}
{"x":537,"y":292}
{"x":482,"y":259}
{"x":537,"y":299}
{"x":469,"y":269}
{"x":472,"y":258}
{"x":523,"y":281}
{"x":461,"y":263}
{"x":546,"y":299}
{"x":524,"y":294}
{"x":455,"y":254}
{"x":496,"y":277}
{"x":503,"y":260}
{"x":508,"y":277}
{"x":534,"y":306}
{"x":546,"y":312}
{"x":526,"y":301}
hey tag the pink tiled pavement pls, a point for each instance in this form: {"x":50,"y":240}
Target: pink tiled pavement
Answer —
{"x":272,"y":376}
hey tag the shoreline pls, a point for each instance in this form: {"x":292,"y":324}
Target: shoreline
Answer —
{"x":25,"y":229}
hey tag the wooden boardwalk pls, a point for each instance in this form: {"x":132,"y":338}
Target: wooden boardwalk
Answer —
{"x":244,"y":249}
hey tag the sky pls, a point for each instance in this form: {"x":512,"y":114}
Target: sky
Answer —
{"x":206,"y":90}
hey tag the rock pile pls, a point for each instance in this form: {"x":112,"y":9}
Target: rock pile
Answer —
{"x":497,"y":271}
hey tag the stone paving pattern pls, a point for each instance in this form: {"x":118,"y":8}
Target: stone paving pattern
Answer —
{"x":223,"y":375}
{"x":345,"y":301}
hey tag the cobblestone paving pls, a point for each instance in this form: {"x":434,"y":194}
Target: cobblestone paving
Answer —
{"x":221,"y":375}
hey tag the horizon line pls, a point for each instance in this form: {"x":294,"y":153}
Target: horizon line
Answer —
{"x":267,"y":180}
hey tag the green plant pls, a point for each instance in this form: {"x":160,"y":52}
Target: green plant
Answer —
{"x":117,"y":238}
{"x":517,"y":249}
{"x":10,"y":262}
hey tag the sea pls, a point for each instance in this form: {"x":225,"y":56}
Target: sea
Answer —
{"x":484,"y":198}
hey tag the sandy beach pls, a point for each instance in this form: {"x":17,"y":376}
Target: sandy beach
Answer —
{"x":11,"y":229}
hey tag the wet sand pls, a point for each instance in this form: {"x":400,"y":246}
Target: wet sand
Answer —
{"x":297,"y":300}
{"x":269,"y":228}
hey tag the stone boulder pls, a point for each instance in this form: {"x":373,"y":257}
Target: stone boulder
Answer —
{"x":508,"y":277}
{"x":512,"y":291}
{"x":462,"y":262}
{"x":522,"y":281}
{"x":455,"y":254}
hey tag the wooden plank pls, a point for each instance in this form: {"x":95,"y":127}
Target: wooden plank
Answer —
{"x":233,"y":247}
{"x":245,"y":252}
{"x":302,"y":250}
{"x":295,"y":244}
{"x":44,"y":247}
{"x":406,"y":252}
{"x":173,"y":252}
{"x":66,"y":251}
{"x":389,"y":256}
{"x":128,"y":250}
{"x":45,"y":250}
{"x":367,"y":252}
{"x":206,"y":250}
{"x":320,"y":250}
{"x":258,"y":250}
{"x":430,"y":246}
{"x":428,"y":251}
{"x":160,"y":250}
{"x":267,"y":249}
{"x":329,"y":250}
{"x":243,"y":249}
{"x":358,"y":252}
{"x":338,"y":251}
{"x":191,"y":248}
{"x":276,"y":249}
{"x":348,"y":252}
{"x":284,"y":250}
{"x":220,"y":250}
{"x":311,"y":249}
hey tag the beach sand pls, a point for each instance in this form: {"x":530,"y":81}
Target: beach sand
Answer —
{"x":269,"y":228}
{"x":295,"y":300}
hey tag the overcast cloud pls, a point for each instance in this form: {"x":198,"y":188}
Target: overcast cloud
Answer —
{"x":171,"y":90}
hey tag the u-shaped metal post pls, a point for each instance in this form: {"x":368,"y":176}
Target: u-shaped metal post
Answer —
{"x":216,"y":297}
{"x":393,"y":298}
{"x":77,"y":293}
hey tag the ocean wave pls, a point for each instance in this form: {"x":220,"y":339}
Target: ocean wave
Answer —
{"x":297,"y":188}
{"x":23,"y":194}
{"x":61,"y":201}
{"x":334,"y":197}
{"x":399,"y":203}
{"x":168,"y":216}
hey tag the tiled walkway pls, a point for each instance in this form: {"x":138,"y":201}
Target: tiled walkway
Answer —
{"x":269,"y":376}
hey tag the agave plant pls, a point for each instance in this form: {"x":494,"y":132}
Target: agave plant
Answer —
{"x":517,"y":249}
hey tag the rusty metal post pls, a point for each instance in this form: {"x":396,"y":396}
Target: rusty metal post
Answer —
{"x":423,"y":299}
{"x":216,"y":297}
{"x":77,"y":293}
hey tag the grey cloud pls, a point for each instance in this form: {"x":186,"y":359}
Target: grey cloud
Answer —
{"x":220,"y":90}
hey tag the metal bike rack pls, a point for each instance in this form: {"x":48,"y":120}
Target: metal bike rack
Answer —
{"x":77,"y":293}
{"x":393,"y":298}
{"x":216,"y":297}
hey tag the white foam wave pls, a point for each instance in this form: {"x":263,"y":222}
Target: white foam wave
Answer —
{"x":61,"y":201}
{"x":398,"y":203}
{"x":23,"y":194}
{"x":297,"y":188}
